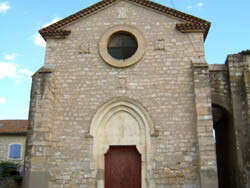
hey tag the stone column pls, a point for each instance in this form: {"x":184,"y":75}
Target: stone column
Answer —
{"x":37,"y":144}
{"x":246,"y":151}
{"x":204,"y":124}
{"x":247,"y":148}
{"x":238,"y":88}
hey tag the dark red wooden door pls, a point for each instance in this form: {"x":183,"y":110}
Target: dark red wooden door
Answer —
{"x":122,"y":167}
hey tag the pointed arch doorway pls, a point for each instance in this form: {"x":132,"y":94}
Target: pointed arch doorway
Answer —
{"x":122,"y":167}
{"x":122,"y":122}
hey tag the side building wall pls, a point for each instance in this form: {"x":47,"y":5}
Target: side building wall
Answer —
{"x":230,"y":90}
{"x":6,"y":141}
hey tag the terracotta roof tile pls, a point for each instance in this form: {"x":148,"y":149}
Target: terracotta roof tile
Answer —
{"x":245,"y":52}
{"x":13,"y":127}
{"x":55,"y":30}
{"x":194,"y":27}
{"x":60,"y":34}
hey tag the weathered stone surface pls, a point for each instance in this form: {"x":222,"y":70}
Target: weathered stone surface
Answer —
{"x":230,"y":90}
{"x":6,"y":141}
{"x":162,"y":104}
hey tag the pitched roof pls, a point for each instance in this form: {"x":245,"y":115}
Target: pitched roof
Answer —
{"x":191,"y":23}
{"x":13,"y":127}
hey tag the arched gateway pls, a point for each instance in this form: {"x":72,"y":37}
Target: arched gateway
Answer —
{"x":120,"y":126}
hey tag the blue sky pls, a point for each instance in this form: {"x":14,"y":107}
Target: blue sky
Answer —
{"x":22,"y":49}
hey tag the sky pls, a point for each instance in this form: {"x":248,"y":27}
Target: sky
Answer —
{"x":22,"y":49}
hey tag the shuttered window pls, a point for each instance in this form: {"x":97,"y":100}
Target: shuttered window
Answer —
{"x":15,"y":151}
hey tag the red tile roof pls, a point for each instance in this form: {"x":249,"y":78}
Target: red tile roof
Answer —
{"x":13,"y":127}
{"x":191,"y":23}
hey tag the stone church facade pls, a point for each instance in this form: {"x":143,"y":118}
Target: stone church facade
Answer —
{"x":126,"y":99}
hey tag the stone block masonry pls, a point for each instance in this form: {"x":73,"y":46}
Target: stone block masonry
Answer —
{"x":162,"y":104}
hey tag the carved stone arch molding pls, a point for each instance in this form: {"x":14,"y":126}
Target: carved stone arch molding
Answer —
{"x":122,"y":121}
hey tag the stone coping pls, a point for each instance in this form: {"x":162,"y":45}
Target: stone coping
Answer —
{"x":217,"y":67}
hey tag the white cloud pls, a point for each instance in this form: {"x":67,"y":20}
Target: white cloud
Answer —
{"x":38,"y":39}
{"x":4,"y":7}
{"x":196,"y":6}
{"x":200,"y":4}
{"x":54,"y":20}
{"x":10,"y":57}
{"x":2,"y":100}
{"x":11,"y":70}
{"x":26,"y":73}
{"x":7,"y":70}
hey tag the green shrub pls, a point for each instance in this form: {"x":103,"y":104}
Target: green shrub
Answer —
{"x":10,"y":171}
{"x":9,"y":183}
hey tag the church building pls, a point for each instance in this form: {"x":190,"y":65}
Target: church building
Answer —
{"x":126,"y":99}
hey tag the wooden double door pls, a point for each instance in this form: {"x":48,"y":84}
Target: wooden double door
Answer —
{"x":122,"y":167}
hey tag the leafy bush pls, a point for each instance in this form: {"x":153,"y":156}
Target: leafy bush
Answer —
{"x":9,"y":175}
{"x":9,"y":183}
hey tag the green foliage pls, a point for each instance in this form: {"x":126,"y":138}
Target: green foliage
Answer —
{"x":10,"y":170}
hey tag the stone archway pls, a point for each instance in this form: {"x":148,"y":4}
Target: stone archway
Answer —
{"x":122,"y":122}
{"x":225,"y":147}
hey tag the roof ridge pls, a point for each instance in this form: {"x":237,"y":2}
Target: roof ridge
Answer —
{"x":13,"y":127}
{"x":53,"y":30}
{"x":77,"y":15}
{"x":13,"y":120}
{"x":183,"y":15}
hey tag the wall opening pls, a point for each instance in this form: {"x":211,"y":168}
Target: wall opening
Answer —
{"x":122,"y":167}
{"x":122,"y":122}
{"x":225,"y":147}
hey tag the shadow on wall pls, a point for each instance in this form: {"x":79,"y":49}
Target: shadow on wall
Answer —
{"x":225,"y":147}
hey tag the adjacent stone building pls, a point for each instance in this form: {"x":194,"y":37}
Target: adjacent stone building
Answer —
{"x":12,"y":140}
{"x":230,"y":105}
{"x":126,"y":99}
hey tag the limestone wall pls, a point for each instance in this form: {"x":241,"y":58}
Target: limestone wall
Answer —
{"x":238,"y":68}
{"x":66,"y":99}
{"x":6,"y":141}
{"x":230,"y":90}
{"x":218,"y":74}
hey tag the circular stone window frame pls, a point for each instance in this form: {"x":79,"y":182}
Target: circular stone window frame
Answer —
{"x":120,"y":63}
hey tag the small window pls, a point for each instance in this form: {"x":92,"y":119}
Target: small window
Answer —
{"x":15,"y":151}
{"x":122,"y":45}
